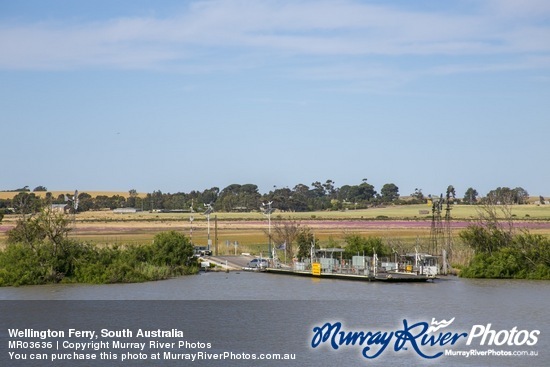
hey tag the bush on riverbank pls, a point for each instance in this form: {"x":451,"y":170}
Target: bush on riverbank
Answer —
{"x":36,"y":257}
{"x":21,"y":265}
{"x":502,"y":254}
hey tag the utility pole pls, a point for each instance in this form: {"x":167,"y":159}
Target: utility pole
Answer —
{"x":216,"y":233}
{"x":191,"y":218}
{"x":208,"y":211}
{"x":267,"y":212}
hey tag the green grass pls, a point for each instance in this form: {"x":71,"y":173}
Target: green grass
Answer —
{"x":396,"y":212}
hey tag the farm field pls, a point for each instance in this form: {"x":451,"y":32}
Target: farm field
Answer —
{"x":396,"y":212}
{"x":399,"y":225}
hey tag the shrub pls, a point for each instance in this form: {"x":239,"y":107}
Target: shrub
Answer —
{"x":19,"y":265}
{"x":523,"y":256}
{"x":67,"y":261}
{"x":171,"y":248}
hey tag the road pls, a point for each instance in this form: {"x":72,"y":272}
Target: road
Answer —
{"x":233,"y":262}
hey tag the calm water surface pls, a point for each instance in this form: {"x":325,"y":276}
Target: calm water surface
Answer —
{"x":289,"y":307}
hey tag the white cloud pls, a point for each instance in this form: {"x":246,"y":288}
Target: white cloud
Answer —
{"x":212,"y":34}
{"x":531,"y":9}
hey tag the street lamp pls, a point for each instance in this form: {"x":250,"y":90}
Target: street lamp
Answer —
{"x":191,"y":218}
{"x":208,"y":211}
{"x":267,"y":210}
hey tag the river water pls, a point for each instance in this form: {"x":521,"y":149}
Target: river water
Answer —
{"x":266,"y":313}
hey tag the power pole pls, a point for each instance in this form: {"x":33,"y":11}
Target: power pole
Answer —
{"x":216,"y":233}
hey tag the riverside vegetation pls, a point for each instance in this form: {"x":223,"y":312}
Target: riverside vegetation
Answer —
{"x":503,"y":255}
{"x":39,"y":252}
{"x":500,"y":251}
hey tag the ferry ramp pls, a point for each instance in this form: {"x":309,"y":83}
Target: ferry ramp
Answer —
{"x":233,"y":262}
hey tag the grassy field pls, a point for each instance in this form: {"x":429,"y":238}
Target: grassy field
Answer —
{"x":400,"y":226}
{"x":398,"y":212}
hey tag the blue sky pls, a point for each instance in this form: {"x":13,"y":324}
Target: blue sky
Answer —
{"x":187,"y":95}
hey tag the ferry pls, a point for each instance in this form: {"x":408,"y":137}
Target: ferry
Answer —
{"x":328,"y":263}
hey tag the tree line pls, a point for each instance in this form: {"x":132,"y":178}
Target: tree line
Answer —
{"x":246,"y":197}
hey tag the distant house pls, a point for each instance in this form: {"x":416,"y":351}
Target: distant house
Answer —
{"x":126,"y":210}
{"x":60,"y":208}
{"x":240,"y":209}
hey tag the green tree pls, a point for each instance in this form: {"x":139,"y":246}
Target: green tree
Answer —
{"x":450,"y":193}
{"x":237,"y":196}
{"x":417,"y":194}
{"x":506,"y":195}
{"x":47,"y":225}
{"x":301,"y":190}
{"x":153,"y":201}
{"x":470,"y":196}
{"x":228,"y":198}
{"x":304,"y":240}
{"x":132,"y":198}
{"x":299,"y":201}
{"x":320,"y":195}
{"x":367,"y":246}
{"x":46,"y":236}
{"x":173,"y":201}
{"x":209,"y":196}
{"x":357,"y":194}
{"x":172,"y":248}
{"x":318,"y":189}
{"x":365,"y":192}
{"x":417,"y":197}
{"x":330,"y":189}
{"x":389,"y":192}
{"x":281,"y":198}
{"x":521,"y":196}
{"x":102,"y":202}
{"x":26,"y":203}
{"x":85,"y":202}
